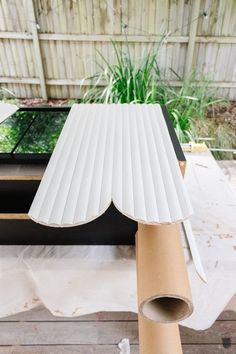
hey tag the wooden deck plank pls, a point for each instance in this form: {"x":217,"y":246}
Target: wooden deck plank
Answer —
{"x":81,"y":333}
{"x":40,"y":313}
{"x":108,"y":349}
{"x":26,"y":333}
{"x":218,"y":333}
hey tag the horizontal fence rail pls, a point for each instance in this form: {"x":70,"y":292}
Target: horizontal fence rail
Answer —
{"x":49,"y":48}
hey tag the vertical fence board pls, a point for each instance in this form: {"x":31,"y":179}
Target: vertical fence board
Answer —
{"x":71,"y":59}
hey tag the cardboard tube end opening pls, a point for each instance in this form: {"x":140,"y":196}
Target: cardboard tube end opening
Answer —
{"x":166,"y":309}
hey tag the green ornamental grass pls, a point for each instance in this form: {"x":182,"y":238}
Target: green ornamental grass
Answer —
{"x":129,"y":81}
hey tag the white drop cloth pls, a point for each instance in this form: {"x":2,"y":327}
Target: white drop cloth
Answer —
{"x":76,"y":280}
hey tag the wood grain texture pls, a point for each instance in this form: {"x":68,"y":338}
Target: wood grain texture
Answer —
{"x":8,"y":216}
{"x":37,"y":49}
{"x":41,"y":314}
{"x":107,"y":349}
{"x":38,"y":332}
{"x":101,"y":333}
{"x":70,"y":31}
{"x":20,"y":178}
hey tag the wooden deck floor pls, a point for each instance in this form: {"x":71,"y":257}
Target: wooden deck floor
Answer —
{"x":37,"y":331}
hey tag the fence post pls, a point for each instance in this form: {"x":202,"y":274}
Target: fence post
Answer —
{"x":192,"y":36}
{"x":37,"y":50}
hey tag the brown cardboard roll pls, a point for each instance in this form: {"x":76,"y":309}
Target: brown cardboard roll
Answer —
{"x":163,"y":288}
{"x":156,"y":338}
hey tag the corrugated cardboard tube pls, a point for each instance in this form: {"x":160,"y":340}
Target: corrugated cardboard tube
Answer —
{"x":158,"y":338}
{"x":163,"y":288}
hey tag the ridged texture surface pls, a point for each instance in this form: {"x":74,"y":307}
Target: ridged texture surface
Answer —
{"x":6,"y":110}
{"x":120,"y":153}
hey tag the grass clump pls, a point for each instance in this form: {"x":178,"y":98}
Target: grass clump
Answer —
{"x":126,"y":81}
{"x":130,"y":81}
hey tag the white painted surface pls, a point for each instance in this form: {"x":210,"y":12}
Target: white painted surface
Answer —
{"x":120,"y":153}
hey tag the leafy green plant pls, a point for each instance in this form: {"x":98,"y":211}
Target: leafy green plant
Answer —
{"x":128,"y":81}
{"x":189,"y":103}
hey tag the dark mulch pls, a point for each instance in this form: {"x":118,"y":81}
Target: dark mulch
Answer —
{"x":224,"y":114}
{"x":39,"y":102}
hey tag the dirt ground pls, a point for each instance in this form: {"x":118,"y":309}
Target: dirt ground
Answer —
{"x":224,"y":114}
{"x":221,"y":114}
{"x":39,"y":102}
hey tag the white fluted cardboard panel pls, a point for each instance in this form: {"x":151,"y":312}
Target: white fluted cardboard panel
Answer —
{"x":116,"y":152}
{"x":6,"y":110}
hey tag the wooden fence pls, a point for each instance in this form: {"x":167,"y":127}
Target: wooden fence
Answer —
{"x":47,"y":47}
